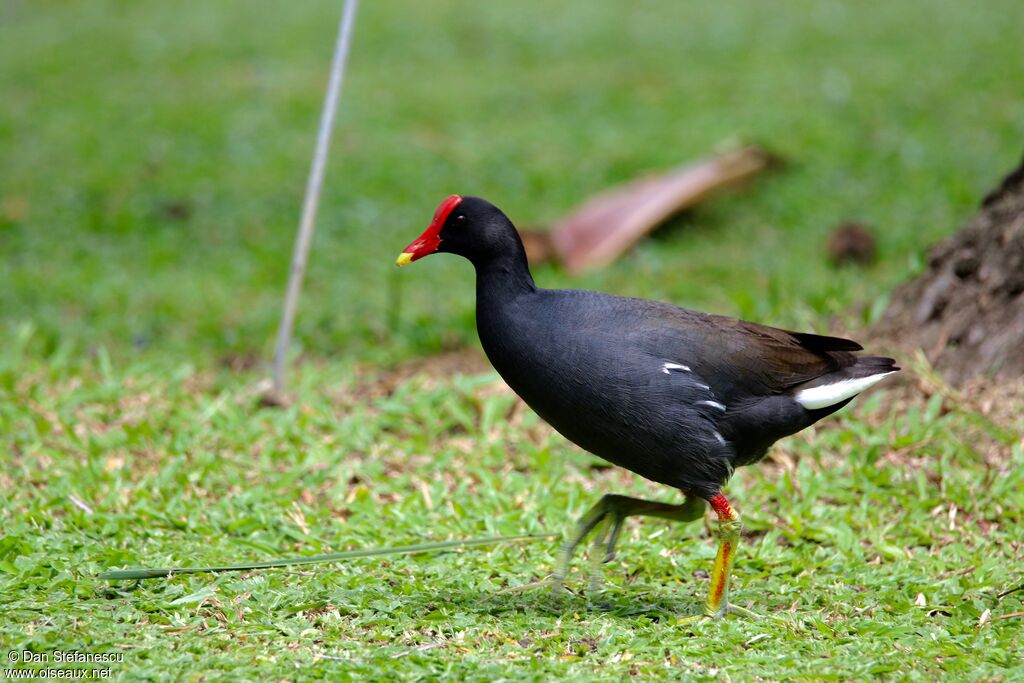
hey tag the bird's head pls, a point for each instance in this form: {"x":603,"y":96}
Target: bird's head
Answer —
{"x":467,"y":226}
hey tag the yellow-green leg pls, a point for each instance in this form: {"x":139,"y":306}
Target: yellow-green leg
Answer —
{"x":608,"y":517}
{"x":717,"y":604}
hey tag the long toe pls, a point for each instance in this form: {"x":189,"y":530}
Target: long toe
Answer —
{"x":721,"y":613}
{"x":746,"y":613}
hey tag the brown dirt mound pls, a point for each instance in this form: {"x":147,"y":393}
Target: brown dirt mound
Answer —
{"x":966,"y":312}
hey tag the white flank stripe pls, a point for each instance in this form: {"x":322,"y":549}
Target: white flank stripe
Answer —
{"x":714,"y":404}
{"x":831,"y":394}
{"x":668,"y":367}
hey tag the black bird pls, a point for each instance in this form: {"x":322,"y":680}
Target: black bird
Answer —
{"x":679,"y":397}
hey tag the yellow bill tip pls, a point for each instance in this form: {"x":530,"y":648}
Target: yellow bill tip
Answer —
{"x":404,"y":259}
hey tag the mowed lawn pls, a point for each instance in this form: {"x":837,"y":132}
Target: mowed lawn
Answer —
{"x":152,"y":161}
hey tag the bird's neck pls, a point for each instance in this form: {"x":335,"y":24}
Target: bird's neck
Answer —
{"x":503,"y":289}
{"x":503,"y":277}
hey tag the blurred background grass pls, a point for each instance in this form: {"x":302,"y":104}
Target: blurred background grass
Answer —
{"x":153,"y":155}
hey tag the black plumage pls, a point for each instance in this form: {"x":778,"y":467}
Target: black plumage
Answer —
{"x":677,"y":396}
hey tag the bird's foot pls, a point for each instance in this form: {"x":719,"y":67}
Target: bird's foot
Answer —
{"x":606,"y":520}
{"x":745,"y":613}
{"x":719,"y":614}
{"x":553,"y":583}
{"x":595,"y":585}
{"x":556,"y":585}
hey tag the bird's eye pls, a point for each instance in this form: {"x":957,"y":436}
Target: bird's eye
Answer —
{"x":460,"y":218}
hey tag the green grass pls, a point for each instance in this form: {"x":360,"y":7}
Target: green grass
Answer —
{"x":878,"y":541}
{"x":119,"y":118}
{"x":152,"y":159}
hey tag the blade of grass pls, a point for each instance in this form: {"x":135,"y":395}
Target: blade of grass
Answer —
{"x":160,"y":572}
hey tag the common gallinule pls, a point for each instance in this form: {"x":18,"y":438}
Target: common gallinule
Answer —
{"x":679,"y":397}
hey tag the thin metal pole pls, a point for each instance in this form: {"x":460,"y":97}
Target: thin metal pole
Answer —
{"x":309,"y":206}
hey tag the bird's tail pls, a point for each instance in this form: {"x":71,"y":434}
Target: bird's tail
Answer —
{"x":845,"y":383}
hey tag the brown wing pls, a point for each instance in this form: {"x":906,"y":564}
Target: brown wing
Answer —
{"x":747,"y":359}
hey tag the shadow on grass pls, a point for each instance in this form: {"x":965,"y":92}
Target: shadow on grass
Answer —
{"x":657,"y":605}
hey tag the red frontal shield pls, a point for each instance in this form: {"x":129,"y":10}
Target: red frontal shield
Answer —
{"x":430,"y":240}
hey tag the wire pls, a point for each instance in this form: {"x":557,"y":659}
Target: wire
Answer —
{"x":160,"y":572}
